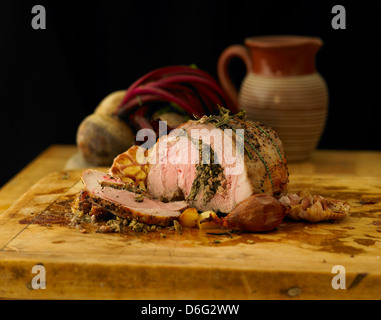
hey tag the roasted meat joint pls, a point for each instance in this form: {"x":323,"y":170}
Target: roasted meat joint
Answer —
{"x":218,"y":171}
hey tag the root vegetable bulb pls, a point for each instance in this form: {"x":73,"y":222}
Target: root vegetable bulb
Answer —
{"x":101,"y":137}
{"x":110,"y":103}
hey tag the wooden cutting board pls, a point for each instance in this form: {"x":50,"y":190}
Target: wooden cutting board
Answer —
{"x":293,"y":262}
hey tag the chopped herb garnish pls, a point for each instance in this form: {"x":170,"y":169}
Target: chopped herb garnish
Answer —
{"x":139,"y":198}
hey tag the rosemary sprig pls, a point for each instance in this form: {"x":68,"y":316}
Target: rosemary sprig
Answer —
{"x":223,"y":118}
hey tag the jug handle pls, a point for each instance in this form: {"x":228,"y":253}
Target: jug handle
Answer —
{"x":233,"y":51}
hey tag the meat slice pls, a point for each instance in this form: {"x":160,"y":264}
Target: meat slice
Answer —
{"x":204,"y":164}
{"x":176,"y":170}
{"x":172,"y":167}
{"x":112,"y":195}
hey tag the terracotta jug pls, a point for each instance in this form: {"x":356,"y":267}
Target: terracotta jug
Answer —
{"x":281,"y":89}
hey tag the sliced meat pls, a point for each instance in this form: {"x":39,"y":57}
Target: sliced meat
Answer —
{"x":172,"y":167}
{"x":203,"y":164}
{"x":127,"y":204}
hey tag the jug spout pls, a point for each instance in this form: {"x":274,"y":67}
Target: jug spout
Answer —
{"x":283,"y":55}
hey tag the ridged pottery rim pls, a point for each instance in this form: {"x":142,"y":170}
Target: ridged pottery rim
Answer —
{"x":281,"y":41}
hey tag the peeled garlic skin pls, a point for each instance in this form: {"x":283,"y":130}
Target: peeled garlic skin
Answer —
{"x":258,"y":213}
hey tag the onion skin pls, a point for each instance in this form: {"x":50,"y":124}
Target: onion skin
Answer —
{"x":258,"y":213}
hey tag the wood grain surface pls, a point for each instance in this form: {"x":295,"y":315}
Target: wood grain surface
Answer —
{"x":293,"y":262}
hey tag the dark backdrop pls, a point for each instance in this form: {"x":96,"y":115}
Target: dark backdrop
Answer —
{"x":51,"y":79}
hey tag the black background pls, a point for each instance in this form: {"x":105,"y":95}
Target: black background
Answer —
{"x":51,"y":79}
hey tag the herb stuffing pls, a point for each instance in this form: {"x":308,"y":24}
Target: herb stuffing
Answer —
{"x":222,"y":121}
{"x":209,"y":174}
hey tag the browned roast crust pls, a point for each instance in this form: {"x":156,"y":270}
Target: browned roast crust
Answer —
{"x":266,"y":164}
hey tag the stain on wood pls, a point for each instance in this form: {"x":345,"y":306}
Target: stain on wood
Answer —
{"x":292,"y":262}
